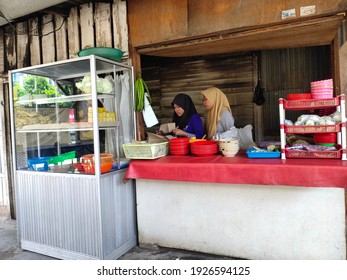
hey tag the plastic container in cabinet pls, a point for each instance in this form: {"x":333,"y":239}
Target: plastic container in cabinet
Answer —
{"x":302,"y":129}
{"x":315,"y":154}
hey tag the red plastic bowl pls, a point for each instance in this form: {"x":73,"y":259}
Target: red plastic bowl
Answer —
{"x":204,"y":148}
{"x":325,"y":138}
{"x":179,"y":140}
{"x":299,"y":96}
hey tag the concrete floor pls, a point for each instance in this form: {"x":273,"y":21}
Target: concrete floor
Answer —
{"x":9,"y":249}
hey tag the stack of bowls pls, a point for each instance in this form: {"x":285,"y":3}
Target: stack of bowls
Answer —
{"x":229,"y":147}
{"x":179,"y":146}
{"x":204,"y":148}
{"x":322,"y":89}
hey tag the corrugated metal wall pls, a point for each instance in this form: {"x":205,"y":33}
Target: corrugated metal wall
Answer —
{"x":290,"y":71}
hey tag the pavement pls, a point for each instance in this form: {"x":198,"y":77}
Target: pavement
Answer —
{"x":9,"y":249}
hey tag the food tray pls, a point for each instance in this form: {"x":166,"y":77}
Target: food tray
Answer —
{"x":252,"y":154}
{"x":310,"y":103}
{"x":312,"y":128}
{"x":146,"y":150}
{"x":314,"y":154}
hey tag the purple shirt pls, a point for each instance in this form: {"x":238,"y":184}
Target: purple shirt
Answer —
{"x":195,"y":127}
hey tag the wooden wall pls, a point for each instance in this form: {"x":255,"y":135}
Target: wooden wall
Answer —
{"x":232,"y":73}
{"x":165,"y":20}
{"x":53,"y":37}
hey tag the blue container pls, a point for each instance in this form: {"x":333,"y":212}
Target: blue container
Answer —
{"x":251,"y":153}
{"x":38,"y":164}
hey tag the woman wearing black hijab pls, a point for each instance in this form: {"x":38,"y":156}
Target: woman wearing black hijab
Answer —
{"x":187,"y":120}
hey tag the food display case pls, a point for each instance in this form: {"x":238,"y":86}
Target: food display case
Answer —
{"x":69,"y":121}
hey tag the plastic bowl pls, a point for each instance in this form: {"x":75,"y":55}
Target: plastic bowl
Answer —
{"x":105,"y":52}
{"x":325,"y":139}
{"x":104,"y":167}
{"x":299,"y":96}
{"x":204,"y":148}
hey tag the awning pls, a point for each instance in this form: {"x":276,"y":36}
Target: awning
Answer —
{"x":291,"y":34}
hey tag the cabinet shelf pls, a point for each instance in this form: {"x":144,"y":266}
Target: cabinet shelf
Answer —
{"x":59,"y":127}
{"x":308,"y":104}
{"x":305,"y":129}
{"x":61,"y":99}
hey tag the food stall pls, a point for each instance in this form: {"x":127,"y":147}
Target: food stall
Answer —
{"x":247,"y":206}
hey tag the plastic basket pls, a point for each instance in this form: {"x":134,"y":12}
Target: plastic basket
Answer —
{"x":310,"y":103}
{"x":146,"y":151}
{"x":104,"y":167}
{"x":39,"y":163}
{"x":302,"y":129}
{"x":62,"y":157}
{"x":315,"y":154}
{"x":104,"y":158}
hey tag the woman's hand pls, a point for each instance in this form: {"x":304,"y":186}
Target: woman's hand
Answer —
{"x":180,"y":132}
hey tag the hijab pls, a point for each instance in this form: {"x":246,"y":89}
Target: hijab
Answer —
{"x":219,"y":103}
{"x":185,"y":102}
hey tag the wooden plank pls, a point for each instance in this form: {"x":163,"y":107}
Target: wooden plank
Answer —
{"x":171,"y":19}
{"x":23,"y":58}
{"x":61,"y":37}
{"x":103,"y":29}
{"x":2,"y":53}
{"x":120,"y":27}
{"x":34,"y":41}
{"x":158,"y":20}
{"x":48,"y":49}
{"x":87,"y":26}
{"x":73,"y":33}
{"x":10,"y":48}
{"x":315,"y":32}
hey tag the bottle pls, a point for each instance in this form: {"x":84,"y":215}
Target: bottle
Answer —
{"x":72,"y":120}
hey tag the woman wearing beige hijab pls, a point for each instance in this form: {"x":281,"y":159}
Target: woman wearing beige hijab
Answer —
{"x":219,"y":116}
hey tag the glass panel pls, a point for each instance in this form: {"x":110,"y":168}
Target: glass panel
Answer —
{"x":60,"y":109}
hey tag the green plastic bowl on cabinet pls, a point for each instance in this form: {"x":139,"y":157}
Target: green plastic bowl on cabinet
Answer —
{"x":105,"y":52}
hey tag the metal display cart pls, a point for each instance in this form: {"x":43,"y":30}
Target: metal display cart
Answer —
{"x":65,"y":210}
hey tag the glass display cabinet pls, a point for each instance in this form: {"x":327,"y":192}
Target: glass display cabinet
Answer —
{"x":69,"y":120}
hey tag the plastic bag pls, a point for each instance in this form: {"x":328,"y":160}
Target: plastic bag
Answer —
{"x":245,"y":137}
{"x":258,"y":97}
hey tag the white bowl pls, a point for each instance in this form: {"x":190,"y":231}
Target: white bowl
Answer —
{"x":228,"y":153}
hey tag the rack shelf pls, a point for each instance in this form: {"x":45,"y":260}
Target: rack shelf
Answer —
{"x":309,"y":104}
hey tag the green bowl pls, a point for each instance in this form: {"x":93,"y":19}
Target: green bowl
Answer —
{"x":105,"y":52}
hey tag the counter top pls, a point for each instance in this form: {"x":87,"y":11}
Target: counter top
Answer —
{"x":242,"y":170}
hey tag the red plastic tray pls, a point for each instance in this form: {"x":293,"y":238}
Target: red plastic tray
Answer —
{"x":315,"y":154}
{"x":302,"y":129}
{"x":307,"y":104}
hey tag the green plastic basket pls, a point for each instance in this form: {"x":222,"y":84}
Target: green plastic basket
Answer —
{"x":60,"y":158}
